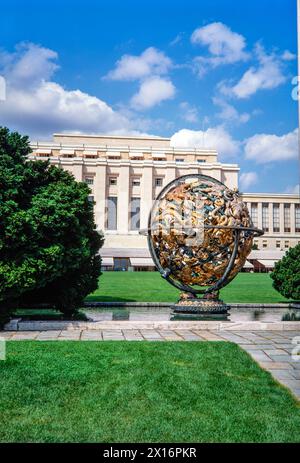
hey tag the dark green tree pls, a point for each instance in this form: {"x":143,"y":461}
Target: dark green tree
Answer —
{"x":48,"y":242}
{"x":286,"y":274}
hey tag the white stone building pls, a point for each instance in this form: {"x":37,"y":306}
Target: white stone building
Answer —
{"x":125,"y":175}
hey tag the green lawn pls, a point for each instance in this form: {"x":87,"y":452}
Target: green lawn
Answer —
{"x":141,"y":392}
{"x":151,"y":287}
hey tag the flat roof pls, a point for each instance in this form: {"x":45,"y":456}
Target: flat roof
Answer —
{"x":121,"y":137}
{"x":267,"y":195}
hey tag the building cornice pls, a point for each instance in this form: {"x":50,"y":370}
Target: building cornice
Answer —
{"x":113,"y":137}
{"x":268,"y":195}
{"x":123,"y":148}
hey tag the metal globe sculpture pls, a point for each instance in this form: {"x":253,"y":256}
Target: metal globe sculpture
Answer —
{"x":199,"y":236}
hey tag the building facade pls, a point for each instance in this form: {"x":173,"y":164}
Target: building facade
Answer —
{"x":125,"y":175}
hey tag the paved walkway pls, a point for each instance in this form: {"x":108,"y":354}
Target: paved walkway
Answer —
{"x":276,"y":351}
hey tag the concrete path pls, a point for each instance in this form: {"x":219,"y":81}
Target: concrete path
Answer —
{"x":275,"y":351}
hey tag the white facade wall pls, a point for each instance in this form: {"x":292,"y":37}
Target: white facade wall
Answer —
{"x":137,"y":167}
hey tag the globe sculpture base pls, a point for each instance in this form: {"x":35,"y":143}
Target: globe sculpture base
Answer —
{"x":209,"y":304}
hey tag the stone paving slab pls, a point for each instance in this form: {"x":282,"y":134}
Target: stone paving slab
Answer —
{"x":208,"y":335}
{"x":24,"y":335}
{"x":170,"y":335}
{"x":278,"y":329}
{"x":69,"y":336}
{"x":91,"y":335}
{"x":47,"y":335}
{"x":188,"y":335}
{"x":275,"y":365}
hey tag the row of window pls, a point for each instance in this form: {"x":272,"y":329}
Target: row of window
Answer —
{"x":135,"y":181}
{"x":276,"y":217}
{"x":112,"y":213}
{"x":136,"y":157}
{"x":279,"y":244}
{"x":112,"y":206}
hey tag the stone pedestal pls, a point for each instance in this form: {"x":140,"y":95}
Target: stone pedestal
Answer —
{"x":208,"y":304}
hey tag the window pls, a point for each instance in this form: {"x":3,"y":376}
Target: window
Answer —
{"x":286,"y":244}
{"x":179,"y":160}
{"x":200,"y":160}
{"x":297,"y":218}
{"x":112,"y":207}
{"x":121,"y":263}
{"x":265,"y":244}
{"x":136,"y":182}
{"x":91,"y":198}
{"x":158,"y":181}
{"x":89,"y":180}
{"x":277,"y":244}
{"x":276,"y":224}
{"x":265,"y":217}
{"x":113,"y":181}
{"x":254,"y":214}
{"x":135,"y":208}
{"x":287,"y":218}
{"x":44,"y":155}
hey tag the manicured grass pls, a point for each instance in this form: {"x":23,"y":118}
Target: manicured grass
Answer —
{"x":141,"y":392}
{"x":151,"y":287}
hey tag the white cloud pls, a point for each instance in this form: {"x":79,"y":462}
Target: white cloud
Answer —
{"x":294,"y":190}
{"x":215,"y":138}
{"x":29,"y":65}
{"x":266,"y":76}
{"x":189,"y":113}
{"x":177,"y":39}
{"x":248,"y":179}
{"x":147,"y":68}
{"x":229,"y":113}
{"x":39,"y":106}
{"x":264,"y":148}
{"x":131,"y":67}
{"x":288,"y":56}
{"x":224,"y":45}
{"x":152,"y":91}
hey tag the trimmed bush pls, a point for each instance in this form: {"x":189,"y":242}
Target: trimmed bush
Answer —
{"x":48,"y":241}
{"x":286,"y":274}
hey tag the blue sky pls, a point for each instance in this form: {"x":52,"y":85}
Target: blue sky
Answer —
{"x":213,"y":73}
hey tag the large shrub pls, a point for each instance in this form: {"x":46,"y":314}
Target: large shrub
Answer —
{"x":286,"y":274}
{"x":48,"y":242}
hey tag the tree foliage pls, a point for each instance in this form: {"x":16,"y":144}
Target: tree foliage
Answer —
{"x":286,"y":274}
{"x":48,"y":242}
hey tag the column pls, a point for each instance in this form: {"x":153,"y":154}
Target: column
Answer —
{"x":77,"y":171}
{"x":271,"y":218}
{"x":123,"y":200}
{"x":99,"y":192}
{"x":281,"y":218}
{"x":146,"y":195}
{"x":292,"y":211}
{"x":259,"y":215}
{"x":170,"y":175}
{"x":216,"y":173}
{"x":249,"y":207}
